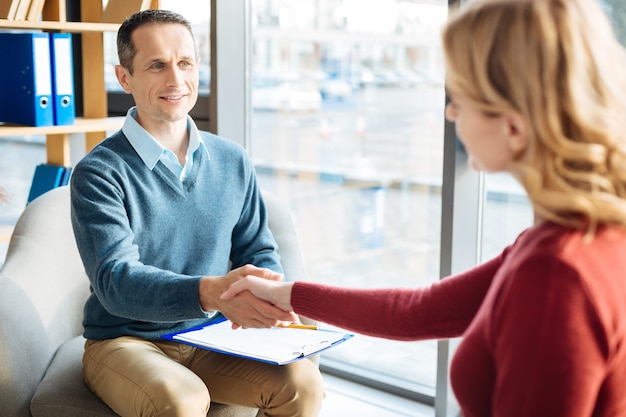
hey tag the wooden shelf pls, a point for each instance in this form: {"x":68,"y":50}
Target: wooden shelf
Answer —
{"x":81,"y":125}
{"x":77,"y":27}
{"x":58,"y":137}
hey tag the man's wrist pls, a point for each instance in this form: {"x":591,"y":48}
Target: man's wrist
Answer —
{"x":205,"y":293}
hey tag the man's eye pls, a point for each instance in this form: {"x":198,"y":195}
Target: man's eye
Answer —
{"x":156,"y":65}
{"x":185,"y":64}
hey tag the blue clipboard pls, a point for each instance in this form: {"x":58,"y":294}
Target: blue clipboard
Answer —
{"x":276,"y":345}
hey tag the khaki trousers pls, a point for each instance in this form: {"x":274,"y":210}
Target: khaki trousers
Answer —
{"x":140,"y":378}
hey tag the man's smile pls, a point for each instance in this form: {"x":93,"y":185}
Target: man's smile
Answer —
{"x":174,"y":98}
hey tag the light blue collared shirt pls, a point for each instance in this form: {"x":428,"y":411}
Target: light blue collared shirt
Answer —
{"x":151,"y":151}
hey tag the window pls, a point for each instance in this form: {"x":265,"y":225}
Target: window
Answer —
{"x":347,"y":125}
{"x":507,"y":212}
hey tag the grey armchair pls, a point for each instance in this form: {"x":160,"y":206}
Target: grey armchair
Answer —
{"x":42,"y":291}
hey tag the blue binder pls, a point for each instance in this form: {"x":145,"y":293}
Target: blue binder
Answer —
{"x":62,"y":78}
{"x":25,"y":81}
{"x":46,"y":178}
{"x":65,"y":179}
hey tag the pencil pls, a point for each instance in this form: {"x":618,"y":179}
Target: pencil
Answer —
{"x":298,"y":326}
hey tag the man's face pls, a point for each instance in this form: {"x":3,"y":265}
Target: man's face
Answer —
{"x":164,"y":82}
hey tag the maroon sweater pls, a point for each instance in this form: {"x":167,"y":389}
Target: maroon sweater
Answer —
{"x":543,"y":324}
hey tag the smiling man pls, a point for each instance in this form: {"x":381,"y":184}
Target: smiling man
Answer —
{"x":160,"y":210}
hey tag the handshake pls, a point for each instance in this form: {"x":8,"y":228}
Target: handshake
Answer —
{"x":249,"y":297}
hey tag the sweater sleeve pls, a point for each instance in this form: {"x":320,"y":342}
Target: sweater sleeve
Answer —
{"x":253,"y":242}
{"x":441,"y":310}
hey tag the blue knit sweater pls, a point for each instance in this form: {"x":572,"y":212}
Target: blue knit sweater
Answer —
{"x":146,"y":238}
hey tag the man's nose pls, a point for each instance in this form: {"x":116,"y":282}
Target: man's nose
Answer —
{"x":174,"y":76}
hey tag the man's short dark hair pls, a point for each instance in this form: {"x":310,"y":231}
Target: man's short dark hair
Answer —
{"x":126,"y":50}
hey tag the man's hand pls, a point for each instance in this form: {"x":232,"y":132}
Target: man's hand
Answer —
{"x":244,"y":309}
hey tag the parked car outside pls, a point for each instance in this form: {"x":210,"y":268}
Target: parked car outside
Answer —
{"x":273,"y":93}
{"x":335,"y":89}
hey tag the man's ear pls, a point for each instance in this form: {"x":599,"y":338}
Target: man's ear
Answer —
{"x":517,"y":132}
{"x":123,"y":75}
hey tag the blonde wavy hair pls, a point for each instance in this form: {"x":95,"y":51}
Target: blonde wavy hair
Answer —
{"x":559,"y":65}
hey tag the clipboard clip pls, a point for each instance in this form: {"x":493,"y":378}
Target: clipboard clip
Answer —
{"x":310,"y":348}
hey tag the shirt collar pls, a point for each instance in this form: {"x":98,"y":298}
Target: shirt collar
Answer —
{"x":147,"y":147}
